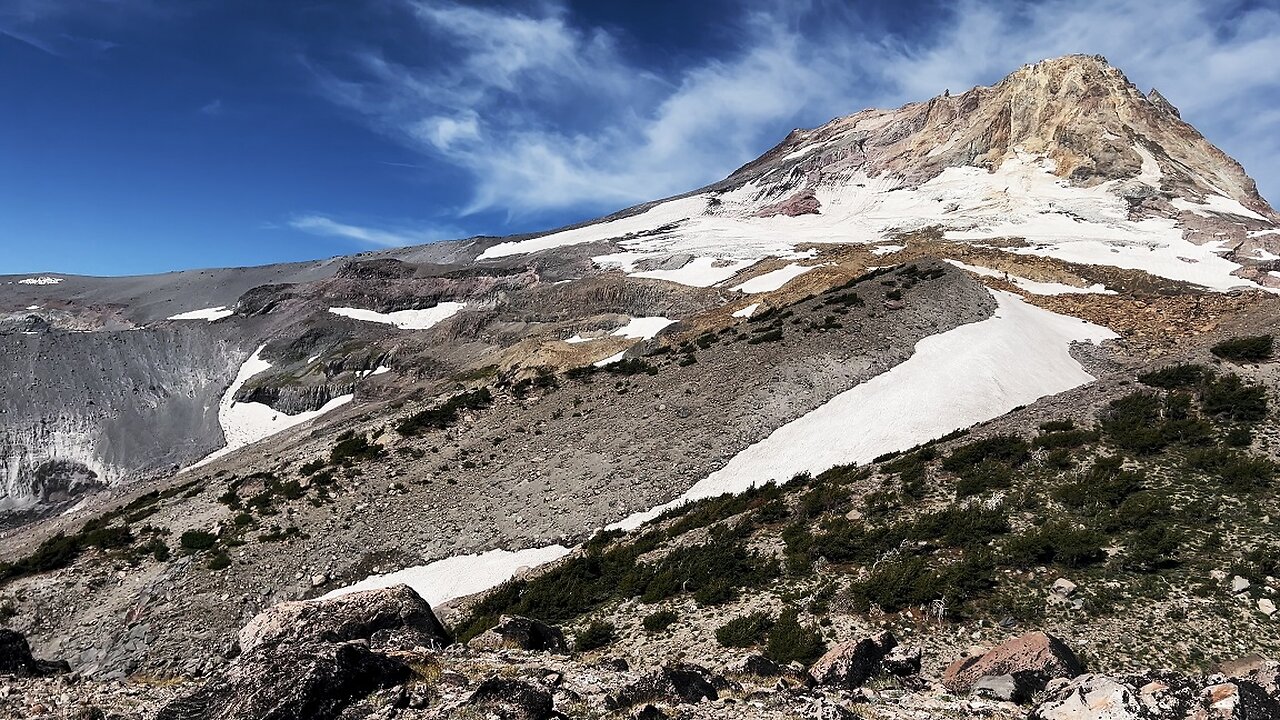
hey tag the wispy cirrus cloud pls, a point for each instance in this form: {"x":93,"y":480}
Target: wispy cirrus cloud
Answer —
{"x":383,"y":237}
{"x":62,"y":27}
{"x":545,"y":113}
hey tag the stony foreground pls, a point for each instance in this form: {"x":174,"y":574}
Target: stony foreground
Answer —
{"x":384,"y":654}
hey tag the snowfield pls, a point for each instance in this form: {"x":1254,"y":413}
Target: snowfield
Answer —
{"x":774,"y":279}
{"x":1022,"y":198}
{"x":460,"y":575}
{"x":954,"y":379}
{"x":210,"y":314}
{"x":244,"y":423}
{"x":404,"y":319}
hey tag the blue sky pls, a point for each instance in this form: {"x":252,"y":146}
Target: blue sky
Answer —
{"x":146,"y":135}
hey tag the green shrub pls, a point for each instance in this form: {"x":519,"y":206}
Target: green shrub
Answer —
{"x":961,"y":526}
{"x":441,"y":417}
{"x":197,"y":540}
{"x":897,"y":584}
{"x":311,"y":468}
{"x":1244,"y":349}
{"x":219,"y":560}
{"x":159,"y":549}
{"x":1237,"y":471}
{"x":987,"y":475}
{"x":1153,"y":548}
{"x":789,"y":641}
{"x":108,"y":538}
{"x":351,"y":448}
{"x":1232,"y":398}
{"x":1104,"y":485}
{"x":1238,"y":437}
{"x":594,"y":636}
{"x":1068,"y":439}
{"x":656,"y":622}
{"x":1175,"y":376}
{"x":1008,"y":449}
{"x":745,"y":631}
{"x":1056,"y":542}
{"x":1133,"y":422}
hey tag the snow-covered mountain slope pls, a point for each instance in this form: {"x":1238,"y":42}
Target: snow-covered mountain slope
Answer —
{"x":1063,"y":159}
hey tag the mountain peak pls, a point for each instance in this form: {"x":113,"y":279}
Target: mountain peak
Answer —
{"x":1078,"y":115}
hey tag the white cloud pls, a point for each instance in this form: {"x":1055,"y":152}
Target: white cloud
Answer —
{"x":321,"y":225}
{"x":544,"y":114}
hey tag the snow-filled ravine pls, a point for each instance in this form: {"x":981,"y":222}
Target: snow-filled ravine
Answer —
{"x":404,"y":319}
{"x":953,"y":380}
{"x":244,"y":423}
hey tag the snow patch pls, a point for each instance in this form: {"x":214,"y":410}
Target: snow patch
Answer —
{"x":210,"y":314}
{"x":747,"y":311}
{"x":886,"y":249}
{"x":404,"y":319}
{"x":1035,"y":287}
{"x":244,"y":423}
{"x":41,"y":280}
{"x":643,"y":328}
{"x":610,"y":360}
{"x":954,"y":379}
{"x":774,"y":279}
{"x":1219,"y":204}
{"x":460,"y":575}
{"x":698,"y":272}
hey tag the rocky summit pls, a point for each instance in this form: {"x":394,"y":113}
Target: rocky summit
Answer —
{"x":961,"y":409}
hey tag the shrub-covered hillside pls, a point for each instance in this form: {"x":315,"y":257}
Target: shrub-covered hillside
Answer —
{"x":1152,"y":510}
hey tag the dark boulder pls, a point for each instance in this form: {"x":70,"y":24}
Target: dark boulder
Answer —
{"x":521,"y":633}
{"x":851,"y":663}
{"x":288,"y":682}
{"x":1033,"y":658}
{"x":16,"y":658}
{"x":394,"y":617}
{"x":672,"y":684}
{"x":512,"y":700}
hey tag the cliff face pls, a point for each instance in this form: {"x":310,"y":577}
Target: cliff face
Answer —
{"x":86,"y":409}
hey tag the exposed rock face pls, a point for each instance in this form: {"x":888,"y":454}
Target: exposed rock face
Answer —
{"x":16,"y":658}
{"x":1033,"y":658}
{"x":388,"y":617}
{"x":85,"y":409}
{"x":521,"y":633}
{"x":852,"y":663}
